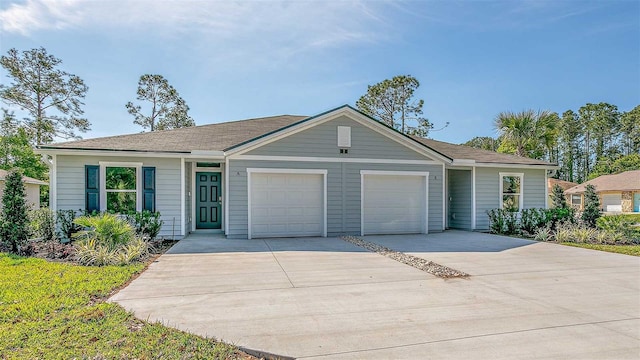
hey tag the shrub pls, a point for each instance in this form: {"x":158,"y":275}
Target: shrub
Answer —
{"x":14,"y":221}
{"x":147,"y":224}
{"x":591,"y":211}
{"x":532,"y":219}
{"x":543,"y":234}
{"x":91,"y":252}
{"x":43,"y":224}
{"x":582,"y":234}
{"x":108,"y":240}
{"x":564,"y":232}
{"x":624,"y":224}
{"x":503,"y":221}
{"x":66,"y":222}
{"x":558,"y":198}
{"x":107,"y":229}
{"x":557,"y":216}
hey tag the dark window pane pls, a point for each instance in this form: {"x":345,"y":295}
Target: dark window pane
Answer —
{"x":120,"y":178}
{"x":121,"y":202}
{"x":511,"y":184}
{"x":511,"y":202}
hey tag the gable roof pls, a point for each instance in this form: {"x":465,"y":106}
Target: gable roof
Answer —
{"x":626,"y":181}
{"x":231,"y":135}
{"x":551,"y":182}
{"x":25,"y":179}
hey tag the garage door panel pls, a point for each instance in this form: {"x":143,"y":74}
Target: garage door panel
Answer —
{"x":287,"y":205}
{"x":612,"y":202}
{"x":394,"y":204}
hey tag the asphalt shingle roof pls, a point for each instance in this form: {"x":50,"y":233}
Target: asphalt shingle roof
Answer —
{"x":25,"y":179}
{"x":212,"y":137}
{"x":626,"y":181}
{"x":454,"y":151}
{"x":223,"y":136}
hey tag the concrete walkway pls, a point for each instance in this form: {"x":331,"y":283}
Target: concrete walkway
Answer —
{"x":325,"y":298}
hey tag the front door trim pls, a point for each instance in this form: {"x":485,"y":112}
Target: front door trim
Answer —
{"x":193,"y":193}
{"x":212,"y":200}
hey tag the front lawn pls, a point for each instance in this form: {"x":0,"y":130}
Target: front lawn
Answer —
{"x":633,"y":250}
{"x":55,"y":310}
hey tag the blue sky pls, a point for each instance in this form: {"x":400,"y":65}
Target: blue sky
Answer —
{"x":237,"y":60}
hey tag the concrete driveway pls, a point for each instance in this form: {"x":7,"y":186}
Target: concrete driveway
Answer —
{"x":325,"y":298}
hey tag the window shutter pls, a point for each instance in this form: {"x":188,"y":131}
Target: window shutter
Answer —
{"x":92,"y":187}
{"x":149,"y":188}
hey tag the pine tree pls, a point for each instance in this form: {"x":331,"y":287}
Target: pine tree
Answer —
{"x":13,"y":224}
{"x":591,"y":211}
{"x":558,"y":198}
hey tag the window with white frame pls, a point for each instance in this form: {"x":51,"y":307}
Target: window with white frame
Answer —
{"x":576,"y":201}
{"x":121,"y":189}
{"x":511,"y":191}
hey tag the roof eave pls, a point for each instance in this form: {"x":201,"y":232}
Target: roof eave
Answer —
{"x":193,"y":154}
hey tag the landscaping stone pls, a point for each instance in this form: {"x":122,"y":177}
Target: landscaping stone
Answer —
{"x":416,"y":262}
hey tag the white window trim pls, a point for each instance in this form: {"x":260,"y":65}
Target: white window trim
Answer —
{"x":103,"y":181}
{"x":322,"y":172}
{"x":521,"y":193}
{"x":424,"y":174}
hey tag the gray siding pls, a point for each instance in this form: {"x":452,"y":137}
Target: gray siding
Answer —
{"x":188,"y":190}
{"x":343,"y":193}
{"x":459,"y":198}
{"x":70,"y":185}
{"x":322,"y":141}
{"x":488,"y":189}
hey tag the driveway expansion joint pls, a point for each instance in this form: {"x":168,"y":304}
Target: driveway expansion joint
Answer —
{"x":278,"y":262}
{"x":464,"y":338}
{"x":414,"y":261}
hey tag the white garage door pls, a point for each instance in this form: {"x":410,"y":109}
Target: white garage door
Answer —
{"x":612,"y":202}
{"x":286,"y":205}
{"x":394,"y":204}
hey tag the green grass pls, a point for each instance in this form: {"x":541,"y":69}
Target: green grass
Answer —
{"x":57,"y":311}
{"x":633,"y":250}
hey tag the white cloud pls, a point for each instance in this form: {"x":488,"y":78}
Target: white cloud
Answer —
{"x":303,"y":24}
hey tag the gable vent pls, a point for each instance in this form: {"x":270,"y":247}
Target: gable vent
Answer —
{"x":344,"y":136}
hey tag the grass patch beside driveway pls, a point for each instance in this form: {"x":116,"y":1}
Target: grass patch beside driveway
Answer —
{"x":56,"y":310}
{"x":633,"y":250}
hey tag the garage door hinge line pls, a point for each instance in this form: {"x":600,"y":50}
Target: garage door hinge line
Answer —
{"x":276,"y":259}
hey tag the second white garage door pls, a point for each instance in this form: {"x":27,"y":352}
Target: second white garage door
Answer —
{"x":286,"y":205}
{"x":394,"y":204}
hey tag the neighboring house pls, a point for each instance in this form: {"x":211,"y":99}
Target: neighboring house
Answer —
{"x":617,"y":192}
{"x":31,"y":186}
{"x":551,"y":182}
{"x":340,"y":172}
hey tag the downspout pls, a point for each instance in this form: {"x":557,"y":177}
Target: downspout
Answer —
{"x":51,"y":164}
{"x":183,"y":223}
{"x":473,"y":198}
{"x":546,"y":189}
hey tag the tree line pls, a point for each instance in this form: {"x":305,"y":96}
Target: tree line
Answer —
{"x":52,"y":100}
{"x":596,"y":139}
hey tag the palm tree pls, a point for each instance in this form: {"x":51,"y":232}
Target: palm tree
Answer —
{"x":527,"y":133}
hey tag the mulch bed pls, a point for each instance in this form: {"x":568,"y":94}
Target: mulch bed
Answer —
{"x":58,"y":252}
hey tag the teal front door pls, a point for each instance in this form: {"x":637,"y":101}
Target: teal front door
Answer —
{"x":208,"y":200}
{"x":636,"y":202}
